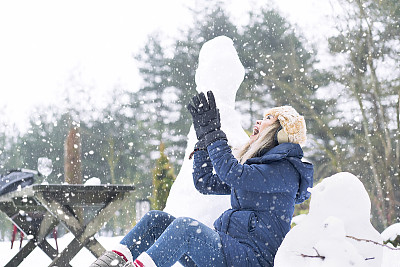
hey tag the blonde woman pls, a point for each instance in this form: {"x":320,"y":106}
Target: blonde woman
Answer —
{"x":265,"y":179}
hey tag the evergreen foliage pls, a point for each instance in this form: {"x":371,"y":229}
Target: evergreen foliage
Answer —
{"x":163,"y":178}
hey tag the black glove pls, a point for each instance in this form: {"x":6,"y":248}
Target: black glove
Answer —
{"x":206,"y":119}
{"x":205,"y":114}
{"x":214,"y":136}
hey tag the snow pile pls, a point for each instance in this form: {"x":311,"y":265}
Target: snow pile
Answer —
{"x":391,"y":233}
{"x":93,"y":181}
{"x":221,"y":71}
{"x":339,"y":209}
{"x":391,"y":257}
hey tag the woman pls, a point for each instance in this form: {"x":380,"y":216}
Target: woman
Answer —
{"x":265,"y":180}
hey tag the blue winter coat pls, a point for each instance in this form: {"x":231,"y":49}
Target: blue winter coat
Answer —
{"x":263,"y":193}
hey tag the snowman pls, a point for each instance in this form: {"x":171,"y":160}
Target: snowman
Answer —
{"x":220,"y":71}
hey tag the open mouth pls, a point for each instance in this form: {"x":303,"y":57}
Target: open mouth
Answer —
{"x":255,"y":130}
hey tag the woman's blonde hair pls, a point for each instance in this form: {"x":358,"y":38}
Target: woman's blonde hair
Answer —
{"x":265,"y":141}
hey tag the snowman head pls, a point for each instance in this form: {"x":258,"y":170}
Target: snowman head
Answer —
{"x":219,"y":70}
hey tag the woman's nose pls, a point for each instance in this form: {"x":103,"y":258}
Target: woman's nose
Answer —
{"x":258,"y":121}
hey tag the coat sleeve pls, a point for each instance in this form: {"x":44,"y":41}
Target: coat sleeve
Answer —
{"x":262,"y":178}
{"x":204,"y":180}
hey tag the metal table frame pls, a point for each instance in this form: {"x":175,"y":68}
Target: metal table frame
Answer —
{"x":59,"y":204}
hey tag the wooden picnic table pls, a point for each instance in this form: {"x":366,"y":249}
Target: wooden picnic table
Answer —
{"x":58,"y":204}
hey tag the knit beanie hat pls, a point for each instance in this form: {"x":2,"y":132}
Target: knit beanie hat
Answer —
{"x":293,"y":125}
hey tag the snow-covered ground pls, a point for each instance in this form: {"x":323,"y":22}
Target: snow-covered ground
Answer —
{"x":39,"y":258}
{"x":339,"y":208}
{"x":391,"y":258}
{"x":85,"y":258}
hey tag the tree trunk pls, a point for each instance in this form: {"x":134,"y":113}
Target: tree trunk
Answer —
{"x":72,"y":162}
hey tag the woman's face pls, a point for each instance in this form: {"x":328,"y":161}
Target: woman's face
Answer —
{"x":261,"y":125}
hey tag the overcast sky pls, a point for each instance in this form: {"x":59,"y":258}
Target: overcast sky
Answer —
{"x":43,"y":42}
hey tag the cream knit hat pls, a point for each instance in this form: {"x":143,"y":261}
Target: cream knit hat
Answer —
{"x":293,"y":125}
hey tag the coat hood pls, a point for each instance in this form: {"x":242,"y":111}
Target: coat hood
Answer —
{"x":292,"y":153}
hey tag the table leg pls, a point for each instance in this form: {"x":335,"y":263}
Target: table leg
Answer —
{"x":95,"y":247}
{"x":68,"y":253}
{"x":48,"y":249}
{"x":47,"y":224}
{"x":14,"y":213}
{"x":62,"y":213}
{"x":22,"y":254}
{"x":82,"y":233}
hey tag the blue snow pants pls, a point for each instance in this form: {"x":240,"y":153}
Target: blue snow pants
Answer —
{"x":168,"y":239}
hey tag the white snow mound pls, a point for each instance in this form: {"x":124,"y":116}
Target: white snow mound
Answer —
{"x":339,"y":207}
{"x":391,"y":232}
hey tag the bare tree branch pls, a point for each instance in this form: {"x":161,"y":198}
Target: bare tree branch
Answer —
{"x":315,"y":256}
{"x":371,"y":241}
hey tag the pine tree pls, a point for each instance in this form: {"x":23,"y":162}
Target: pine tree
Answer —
{"x":163,"y":178}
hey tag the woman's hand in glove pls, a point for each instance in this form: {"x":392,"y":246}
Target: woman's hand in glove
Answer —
{"x":205,"y":114}
{"x":206,"y":119}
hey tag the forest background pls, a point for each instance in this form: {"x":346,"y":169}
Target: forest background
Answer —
{"x":352,"y":107}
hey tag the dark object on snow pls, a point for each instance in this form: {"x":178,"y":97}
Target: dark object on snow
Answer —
{"x":110,"y":258}
{"x":15,"y":178}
